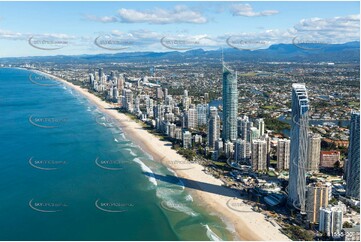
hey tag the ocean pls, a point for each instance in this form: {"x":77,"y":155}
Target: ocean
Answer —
{"x":68,"y":173}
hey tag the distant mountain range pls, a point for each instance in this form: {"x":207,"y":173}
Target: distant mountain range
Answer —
{"x":347,"y":52}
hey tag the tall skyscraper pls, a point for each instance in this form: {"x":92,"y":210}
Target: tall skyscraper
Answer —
{"x":314,"y":151}
{"x":254,"y":133}
{"x":299,"y":147}
{"x":230,"y":104}
{"x":100,"y":73}
{"x":213,"y":127}
{"x":187,"y":139}
{"x":242,"y":127}
{"x":159,"y":93}
{"x":330,"y":221}
{"x":260,"y":126}
{"x":283,"y":154}
{"x":317,"y":196}
{"x":242,"y":151}
{"x":353,"y":163}
{"x":165,"y":92}
{"x":127,"y":100}
{"x":121,"y":82}
{"x":259,"y":155}
{"x":192,"y":118}
{"x":202,"y":110}
{"x":91,"y":79}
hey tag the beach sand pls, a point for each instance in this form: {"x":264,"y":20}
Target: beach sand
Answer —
{"x":247,"y":224}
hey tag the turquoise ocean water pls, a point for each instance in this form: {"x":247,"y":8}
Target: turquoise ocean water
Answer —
{"x":68,"y":173}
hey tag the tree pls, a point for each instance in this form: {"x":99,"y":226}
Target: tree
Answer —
{"x":347,"y":224}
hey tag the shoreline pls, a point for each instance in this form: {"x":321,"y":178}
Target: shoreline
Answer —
{"x":248,"y":225}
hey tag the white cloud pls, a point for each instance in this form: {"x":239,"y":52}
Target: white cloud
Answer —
{"x":247,"y":10}
{"x":332,"y":30}
{"x":180,"y":14}
{"x":6,"y":34}
{"x":104,"y":19}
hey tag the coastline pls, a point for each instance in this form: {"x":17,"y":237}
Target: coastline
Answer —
{"x":248,"y":225}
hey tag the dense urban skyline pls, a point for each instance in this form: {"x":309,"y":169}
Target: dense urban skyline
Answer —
{"x":173,"y":120}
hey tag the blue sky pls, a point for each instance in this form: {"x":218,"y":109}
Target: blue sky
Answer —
{"x":143,"y":24}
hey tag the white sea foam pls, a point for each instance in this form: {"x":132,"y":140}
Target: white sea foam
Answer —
{"x":123,"y":136}
{"x":131,"y":152}
{"x":211,"y":235}
{"x":172,"y":171}
{"x":189,"y":198}
{"x":170,"y":201}
{"x":116,"y":140}
{"x":145,"y":168}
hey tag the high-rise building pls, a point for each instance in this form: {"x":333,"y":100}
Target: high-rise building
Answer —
{"x":260,"y":126}
{"x":213,"y":127}
{"x":259,"y":155}
{"x":330,"y":221}
{"x":100,"y":73}
{"x":242,"y":151}
{"x":228,"y":149}
{"x":230,"y":104}
{"x":202,"y":110}
{"x":137,"y":106}
{"x":353,"y":163}
{"x":127,"y":100}
{"x":187,"y":139}
{"x":317,"y":196}
{"x":186,"y":101}
{"x":299,"y":147}
{"x":314,"y":151}
{"x":158,"y":111}
{"x":192,"y":118}
{"x":283,"y":154}
{"x":219,"y":146}
{"x":244,"y":128}
{"x":168,"y":100}
{"x":165,"y":91}
{"x":159,"y":93}
{"x":115,"y":94}
{"x":149,"y":106}
{"x":121,"y":82}
{"x":91,"y":79}
{"x":329,"y":158}
{"x":254,"y":133}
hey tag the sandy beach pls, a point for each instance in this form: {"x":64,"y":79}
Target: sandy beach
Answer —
{"x":247,"y":224}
